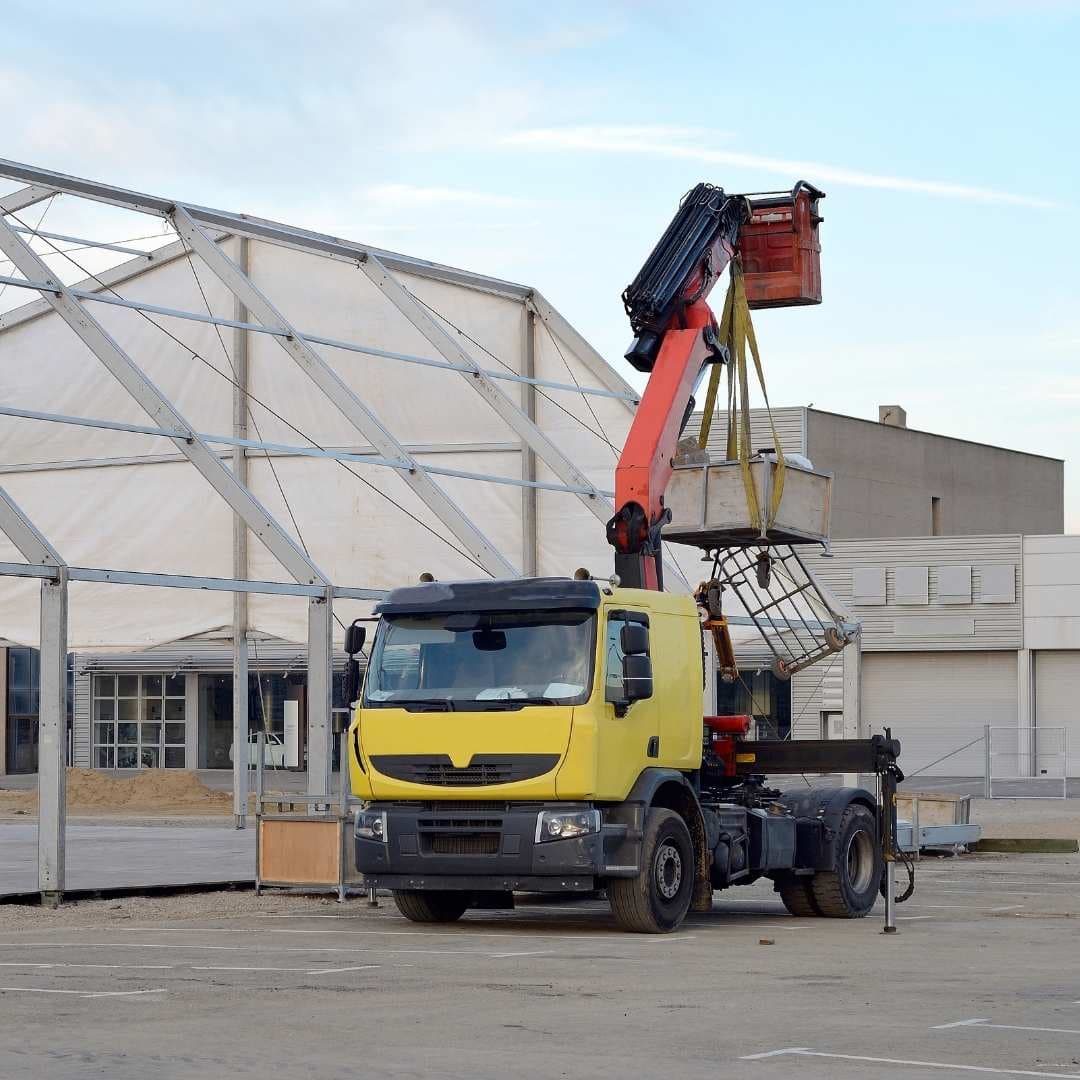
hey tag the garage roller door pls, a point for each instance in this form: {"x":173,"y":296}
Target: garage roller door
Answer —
{"x":1057,"y":697}
{"x":936,"y":702}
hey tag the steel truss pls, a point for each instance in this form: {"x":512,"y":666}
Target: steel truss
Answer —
{"x":200,"y":230}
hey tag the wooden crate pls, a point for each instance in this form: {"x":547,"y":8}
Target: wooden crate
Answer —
{"x":708,"y":504}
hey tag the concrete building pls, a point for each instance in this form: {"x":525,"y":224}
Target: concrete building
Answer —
{"x":958,"y":633}
{"x":892,"y":480}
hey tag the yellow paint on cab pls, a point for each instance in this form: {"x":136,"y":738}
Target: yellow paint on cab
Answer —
{"x":601,"y":755}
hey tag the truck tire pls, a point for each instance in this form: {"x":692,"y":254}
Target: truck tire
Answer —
{"x":798,"y":898}
{"x":849,"y":891}
{"x":657,"y":900}
{"x":420,"y":905}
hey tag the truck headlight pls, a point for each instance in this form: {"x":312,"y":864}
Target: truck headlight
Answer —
{"x":566,"y":824}
{"x":371,"y":825}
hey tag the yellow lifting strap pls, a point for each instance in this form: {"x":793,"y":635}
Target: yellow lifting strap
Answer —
{"x":736,"y":330}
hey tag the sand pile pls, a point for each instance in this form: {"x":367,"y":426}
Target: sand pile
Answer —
{"x":149,"y":791}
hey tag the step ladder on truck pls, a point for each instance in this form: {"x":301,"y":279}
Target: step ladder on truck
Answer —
{"x":549,"y":734}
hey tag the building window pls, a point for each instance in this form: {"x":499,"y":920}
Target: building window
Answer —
{"x":935,"y":515}
{"x":139,"y":722}
{"x":23,"y":706}
{"x":22,"y":710}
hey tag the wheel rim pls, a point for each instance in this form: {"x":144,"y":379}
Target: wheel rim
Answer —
{"x":860,"y":861}
{"x":668,"y":870}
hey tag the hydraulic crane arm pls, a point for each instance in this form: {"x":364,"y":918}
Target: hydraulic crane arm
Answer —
{"x":676,"y":340}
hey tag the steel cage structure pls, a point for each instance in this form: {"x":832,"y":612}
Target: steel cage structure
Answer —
{"x":200,"y":231}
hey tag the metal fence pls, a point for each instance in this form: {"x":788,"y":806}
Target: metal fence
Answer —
{"x":1026,"y":763}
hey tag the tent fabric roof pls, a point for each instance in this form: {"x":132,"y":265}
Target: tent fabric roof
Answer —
{"x":122,"y":500}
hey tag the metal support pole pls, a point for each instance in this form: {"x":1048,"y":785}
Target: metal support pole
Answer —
{"x":52,"y":740}
{"x":890,"y":893}
{"x":319,"y":687}
{"x":987,"y":787}
{"x":240,"y":731}
{"x":529,"y":498}
{"x":260,"y":754}
{"x":888,"y":826}
{"x":240,"y":567}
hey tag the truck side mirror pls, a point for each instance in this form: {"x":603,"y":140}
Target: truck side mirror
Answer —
{"x":634,"y":639}
{"x":355,"y":636}
{"x":352,"y":681}
{"x":637,"y":677}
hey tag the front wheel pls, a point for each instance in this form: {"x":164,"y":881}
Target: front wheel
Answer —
{"x":657,"y":900}
{"x":436,"y":906}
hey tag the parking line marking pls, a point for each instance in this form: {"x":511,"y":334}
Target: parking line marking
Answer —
{"x":106,"y":967}
{"x":1006,"y":1027}
{"x":478,"y":953}
{"x":127,"y":993}
{"x":460,"y":935}
{"x":913,"y":918}
{"x":803,"y":1051}
{"x":338,"y":971}
{"x":775,"y":1053}
{"x":79,"y":993}
{"x":961,"y":1023}
{"x":219,"y":968}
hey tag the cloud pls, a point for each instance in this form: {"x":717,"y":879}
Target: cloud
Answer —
{"x":1065,"y":388}
{"x":673,"y":143}
{"x":413,"y":196}
{"x":570,"y":37}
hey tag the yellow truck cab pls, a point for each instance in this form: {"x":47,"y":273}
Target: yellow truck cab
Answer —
{"x":546,"y":734}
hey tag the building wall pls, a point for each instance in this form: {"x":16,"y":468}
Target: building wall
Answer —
{"x":901,"y":621}
{"x":191,"y":659}
{"x":1052,"y":592}
{"x":884,"y":478}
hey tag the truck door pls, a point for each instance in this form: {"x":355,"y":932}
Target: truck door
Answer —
{"x":631,"y":741}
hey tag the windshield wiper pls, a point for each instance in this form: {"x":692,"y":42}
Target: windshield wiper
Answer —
{"x":416,"y":704}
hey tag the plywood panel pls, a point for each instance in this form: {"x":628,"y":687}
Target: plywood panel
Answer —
{"x":301,"y":852}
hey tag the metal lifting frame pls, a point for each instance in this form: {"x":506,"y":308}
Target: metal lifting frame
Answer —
{"x":52,"y":710}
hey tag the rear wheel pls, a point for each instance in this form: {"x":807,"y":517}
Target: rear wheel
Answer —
{"x":419,"y":905}
{"x":656,"y":901}
{"x":849,"y":890}
{"x":798,"y":898}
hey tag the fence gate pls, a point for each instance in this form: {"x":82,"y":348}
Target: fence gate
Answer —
{"x":1026,"y":763}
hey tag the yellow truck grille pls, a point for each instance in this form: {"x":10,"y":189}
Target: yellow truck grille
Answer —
{"x":484,"y":769}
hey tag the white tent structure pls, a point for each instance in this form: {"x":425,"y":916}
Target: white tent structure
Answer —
{"x":472,"y":428}
{"x":363,"y":415}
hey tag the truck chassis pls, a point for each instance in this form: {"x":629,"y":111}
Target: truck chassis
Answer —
{"x":662,"y":851}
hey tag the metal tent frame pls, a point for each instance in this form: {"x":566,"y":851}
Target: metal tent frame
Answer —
{"x":200,"y":230}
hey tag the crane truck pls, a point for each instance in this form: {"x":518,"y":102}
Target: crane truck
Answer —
{"x":549,"y":734}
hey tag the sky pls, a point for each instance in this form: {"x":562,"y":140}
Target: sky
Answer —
{"x":550,"y":144}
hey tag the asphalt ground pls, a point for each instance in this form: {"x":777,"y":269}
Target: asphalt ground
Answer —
{"x":982,"y":979}
{"x":107,"y":856}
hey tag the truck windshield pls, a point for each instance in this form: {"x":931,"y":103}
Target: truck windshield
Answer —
{"x":492,"y":661}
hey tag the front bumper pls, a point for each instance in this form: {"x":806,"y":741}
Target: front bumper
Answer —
{"x":443,"y":846}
